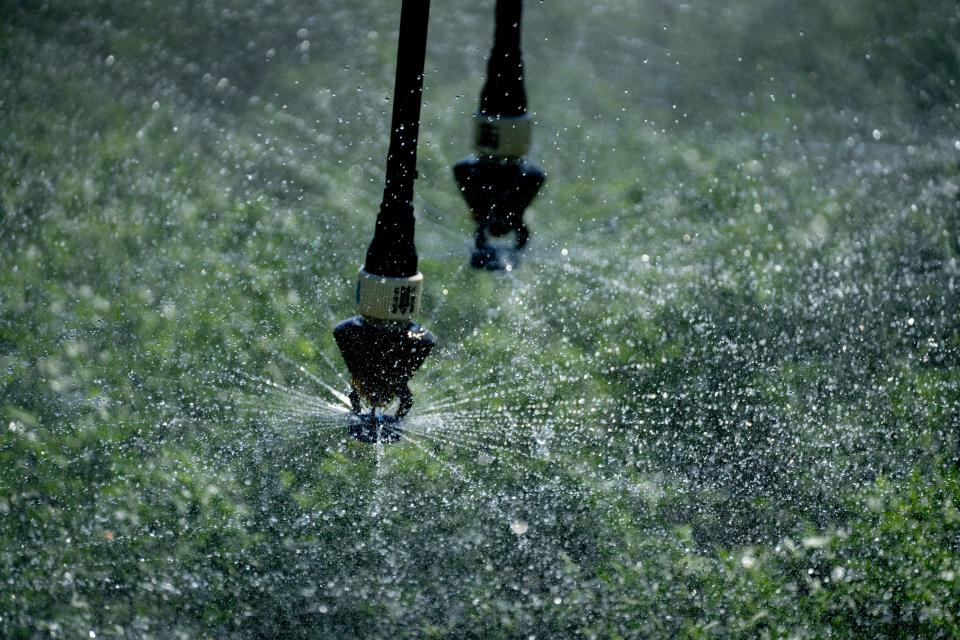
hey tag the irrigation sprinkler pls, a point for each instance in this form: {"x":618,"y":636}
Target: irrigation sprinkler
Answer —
{"x":382,"y":346}
{"x":499,"y":183}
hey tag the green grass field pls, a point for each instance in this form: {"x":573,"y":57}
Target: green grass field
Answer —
{"x":719,"y":398}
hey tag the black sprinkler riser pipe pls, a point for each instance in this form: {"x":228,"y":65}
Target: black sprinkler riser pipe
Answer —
{"x":392,"y":252}
{"x":503,"y":94}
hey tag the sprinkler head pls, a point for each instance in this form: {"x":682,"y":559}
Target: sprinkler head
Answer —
{"x":498,"y":191}
{"x":381,"y":359}
{"x":383,"y":348}
{"x":498,"y":183}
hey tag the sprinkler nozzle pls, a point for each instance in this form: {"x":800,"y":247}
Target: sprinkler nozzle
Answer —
{"x":383,"y":348}
{"x":376,"y":427}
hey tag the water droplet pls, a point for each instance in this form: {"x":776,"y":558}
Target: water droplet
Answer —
{"x":519,"y":527}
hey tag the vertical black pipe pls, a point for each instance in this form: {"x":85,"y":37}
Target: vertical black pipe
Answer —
{"x":503,"y":93}
{"x":392,"y":252}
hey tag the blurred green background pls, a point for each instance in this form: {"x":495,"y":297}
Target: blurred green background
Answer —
{"x":718,"y":398}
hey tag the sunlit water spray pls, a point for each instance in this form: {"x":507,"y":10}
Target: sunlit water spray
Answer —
{"x":471,"y":426}
{"x":735,"y":395}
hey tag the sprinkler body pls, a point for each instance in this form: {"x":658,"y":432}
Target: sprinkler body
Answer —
{"x":382,"y":346}
{"x":497,"y":182}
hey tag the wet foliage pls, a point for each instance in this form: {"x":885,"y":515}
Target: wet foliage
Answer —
{"x":718,"y":397}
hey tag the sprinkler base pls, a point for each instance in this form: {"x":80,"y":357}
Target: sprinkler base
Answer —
{"x":491,"y":258}
{"x":373,"y":427}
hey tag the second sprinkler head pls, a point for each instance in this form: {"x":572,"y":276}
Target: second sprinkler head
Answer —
{"x":498,"y":183}
{"x":498,"y":192}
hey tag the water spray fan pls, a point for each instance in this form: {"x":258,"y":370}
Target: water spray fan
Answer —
{"x":499,"y":183}
{"x":382,"y":346}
